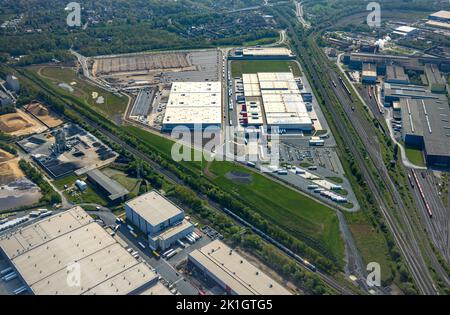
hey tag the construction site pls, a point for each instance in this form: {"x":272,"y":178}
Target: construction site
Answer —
{"x":43,"y":114}
{"x":134,"y":71}
{"x":20,"y":124}
{"x":15,"y":189}
{"x":66,"y":150}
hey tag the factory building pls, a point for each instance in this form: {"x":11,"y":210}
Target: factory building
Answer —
{"x":440,"y":19}
{"x":405,"y":31}
{"x":12,"y":83}
{"x":194,"y":103}
{"x":109,"y":187}
{"x":395,"y":92}
{"x":263,"y":53}
{"x":396,"y":74}
{"x":281,"y":99}
{"x":355,"y":61}
{"x":158,"y":218}
{"x":369,"y":73}
{"x":426,"y":125}
{"x":435,"y":79}
{"x":70,"y":254}
{"x":232,"y":272}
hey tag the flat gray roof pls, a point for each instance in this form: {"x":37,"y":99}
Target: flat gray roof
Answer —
{"x":434,"y":76}
{"x":154,"y":208}
{"x":235,"y":271}
{"x":431,"y":119}
{"x":395,"y":72}
{"x":43,"y":253}
{"x":114,"y":189}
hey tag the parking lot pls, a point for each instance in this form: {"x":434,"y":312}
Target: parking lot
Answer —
{"x":168,"y":269}
{"x":305,"y":155}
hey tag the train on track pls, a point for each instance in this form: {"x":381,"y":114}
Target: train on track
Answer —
{"x":422,"y":195}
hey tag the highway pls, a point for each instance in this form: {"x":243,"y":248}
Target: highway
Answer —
{"x":405,"y":233}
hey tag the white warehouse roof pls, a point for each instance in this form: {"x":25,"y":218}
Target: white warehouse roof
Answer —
{"x":235,"y":271}
{"x":154,"y":208}
{"x":43,"y":252}
{"x":194,"y":103}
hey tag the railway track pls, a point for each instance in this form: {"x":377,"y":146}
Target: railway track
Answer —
{"x":408,"y":244}
{"x":175,"y":180}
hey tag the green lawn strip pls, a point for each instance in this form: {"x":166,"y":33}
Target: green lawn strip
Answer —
{"x":272,"y":200}
{"x":370,"y":242}
{"x":300,"y":215}
{"x":113,"y":105}
{"x":415,"y":156}
{"x":238,"y":67}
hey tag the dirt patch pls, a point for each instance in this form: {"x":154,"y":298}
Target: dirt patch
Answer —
{"x":239,"y":177}
{"x":5,"y":156}
{"x":41,"y":112}
{"x":10,"y":171}
{"x":19,"y":124}
{"x":144,"y":62}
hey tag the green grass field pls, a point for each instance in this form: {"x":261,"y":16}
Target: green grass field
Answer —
{"x":90,"y":195}
{"x":298,"y":214}
{"x":415,"y":156}
{"x":238,"y":67}
{"x":130,"y":183}
{"x":370,"y":243}
{"x":113,"y":105}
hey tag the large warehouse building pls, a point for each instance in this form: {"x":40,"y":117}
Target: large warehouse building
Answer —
{"x":44,"y":253}
{"x":157,"y":217}
{"x":426,"y":125}
{"x":194,"y":103}
{"x":267,"y":53}
{"x":435,"y":79}
{"x":233,"y":272}
{"x":281,"y":99}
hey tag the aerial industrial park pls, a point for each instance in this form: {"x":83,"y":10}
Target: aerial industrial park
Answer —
{"x":286,"y":162}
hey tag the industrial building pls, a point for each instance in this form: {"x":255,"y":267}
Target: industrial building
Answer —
{"x":12,"y":83}
{"x":405,"y":30}
{"x":158,"y":218}
{"x":426,"y":125}
{"x":435,"y":79}
{"x":232,"y":272}
{"x":281,"y":100}
{"x":70,"y":254}
{"x":396,"y":74}
{"x":194,"y":104}
{"x":263,"y":53}
{"x":394,"y":92}
{"x":369,"y":73}
{"x":355,"y":61}
{"x":109,"y":187}
{"x":440,"y":19}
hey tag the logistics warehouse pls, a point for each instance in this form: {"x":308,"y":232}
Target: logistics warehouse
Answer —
{"x":193,"y":103}
{"x":158,"y":218}
{"x":281,"y":100}
{"x":233,"y":272}
{"x":43,"y":253}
